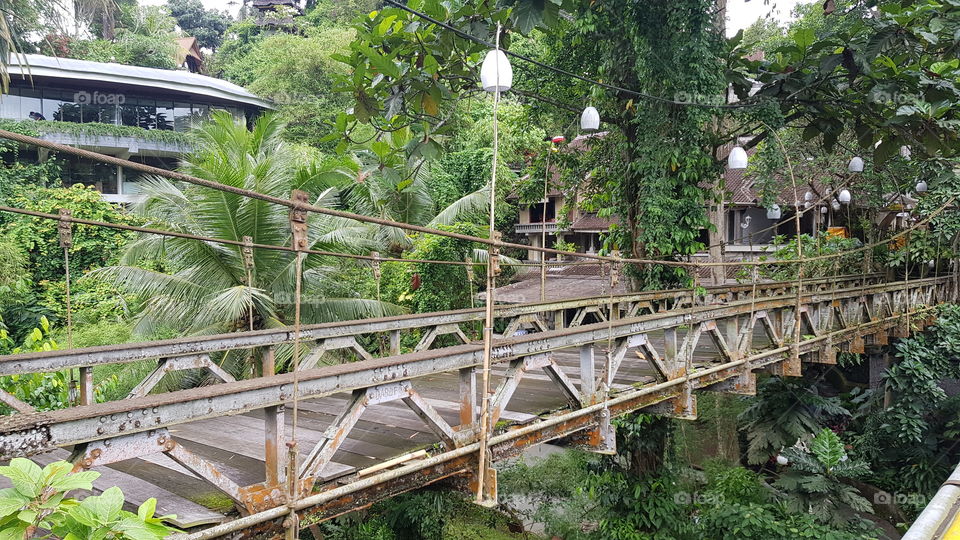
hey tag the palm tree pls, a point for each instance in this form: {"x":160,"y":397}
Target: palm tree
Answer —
{"x":386,"y":183}
{"x":204,"y":287}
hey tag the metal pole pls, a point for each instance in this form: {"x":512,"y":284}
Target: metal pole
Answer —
{"x":543,"y":237}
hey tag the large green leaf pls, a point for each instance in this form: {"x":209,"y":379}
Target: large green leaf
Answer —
{"x":11,"y":501}
{"x":25,"y":475}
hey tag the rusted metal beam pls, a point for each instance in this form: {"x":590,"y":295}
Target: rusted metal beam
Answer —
{"x":49,"y":361}
{"x":30,"y":433}
{"x":510,"y":443}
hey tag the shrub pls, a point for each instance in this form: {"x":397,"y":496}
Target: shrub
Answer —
{"x":37,"y":501}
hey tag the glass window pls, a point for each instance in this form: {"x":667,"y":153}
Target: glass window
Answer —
{"x":165,"y":115}
{"x":181,"y":116}
{"x":201,"y":113}
{"x":129,"y":112}
{"x":30,"y":102}
{"x":147,"y":113}
{"x":10,"y":105}
{"x":59,"y":105}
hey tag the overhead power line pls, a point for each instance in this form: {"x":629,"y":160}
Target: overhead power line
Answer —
{"x":173,"y":175}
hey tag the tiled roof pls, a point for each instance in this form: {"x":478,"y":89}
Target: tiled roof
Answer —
{"x":591,"y":222}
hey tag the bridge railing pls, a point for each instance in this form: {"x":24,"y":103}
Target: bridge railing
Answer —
{"x":830,"y":319}
{"x":369,"y":338}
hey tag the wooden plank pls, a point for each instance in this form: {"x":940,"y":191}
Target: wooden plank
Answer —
{"x":241,"y":444}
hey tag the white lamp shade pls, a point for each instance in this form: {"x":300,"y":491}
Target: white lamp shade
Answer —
{"x":856,"y":164}
{"x":774,"y":212}
{"x":808,"y":196}
{"x":823,"y":209}
{"x":921,"y":187}
{"x":737,"y":158}
{"x":496,"y":75}
{"x":931,"y":264}
{"x":589,"y":119}
{"x":835,"y":205}
{"x":844,"y":196}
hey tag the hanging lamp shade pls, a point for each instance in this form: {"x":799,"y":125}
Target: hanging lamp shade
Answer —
{"x":589,"y":119}
{"x":856,"y":165}
{"x":808,"y":196}
{"x":737,"y":159}
{"x":835,"y":205}
{"x":844,"y":196}
{"x":496,"y":75}
{"x":823,"y":209}
{"x":774,"y":212}
{"x":921,"y":187}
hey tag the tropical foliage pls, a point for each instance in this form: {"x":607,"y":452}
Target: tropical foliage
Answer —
{"x":38,"y":502}
{"x":202,"y":287}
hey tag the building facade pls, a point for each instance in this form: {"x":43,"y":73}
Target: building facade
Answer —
{"x":135,"y":113}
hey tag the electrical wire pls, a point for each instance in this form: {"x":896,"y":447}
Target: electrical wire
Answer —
{"x":419,"y":228}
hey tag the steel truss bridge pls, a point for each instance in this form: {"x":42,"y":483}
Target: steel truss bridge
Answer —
{"x":390,"y":422}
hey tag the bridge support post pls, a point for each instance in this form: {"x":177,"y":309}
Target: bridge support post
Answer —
{"x":394,"y":342}
{"x":86,"y":386}
{"x":588,"y":377}
{"x":468,"y":398}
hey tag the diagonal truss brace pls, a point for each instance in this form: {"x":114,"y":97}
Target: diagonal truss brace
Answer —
{"x":360,"y":400}
{"x":178,"y":363}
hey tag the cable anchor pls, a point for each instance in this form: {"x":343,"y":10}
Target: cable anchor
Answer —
{"x":65,"y":228}
{"x":298,"y":219}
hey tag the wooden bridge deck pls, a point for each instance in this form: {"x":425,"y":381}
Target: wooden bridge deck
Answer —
{"x":204,"y":451}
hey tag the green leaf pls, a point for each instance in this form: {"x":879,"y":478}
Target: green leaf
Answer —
{"x":147,"y":509}
{"x":78,"y":480}
{"x":25,"y":475}
{"x":106,"y":506}
{"x":11,"y":501}
{"x":383,"y":64}
{"x":15,"y":532}
{"x":804,"y":37}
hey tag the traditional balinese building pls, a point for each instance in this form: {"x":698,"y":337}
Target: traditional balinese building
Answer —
{"x":188,"y":55}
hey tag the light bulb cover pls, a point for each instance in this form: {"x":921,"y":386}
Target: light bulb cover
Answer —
{"x":823,"y":209}
{"x":855,"y":165}
{"x":496,"y":75}
{"x":835,"y":205}
{"x":774,"y":212}
{"x":921,"y":187}
{"x":737,"y":160}
{"x":844,"y":197}
{"x":808,"y":196}
{"x":590,"y":119}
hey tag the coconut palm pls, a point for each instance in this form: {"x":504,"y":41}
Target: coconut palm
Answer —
{"x":204,"y":287}
{"x":387,"y":183}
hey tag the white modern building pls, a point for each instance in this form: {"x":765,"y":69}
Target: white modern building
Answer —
{"x":130,"y":112}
